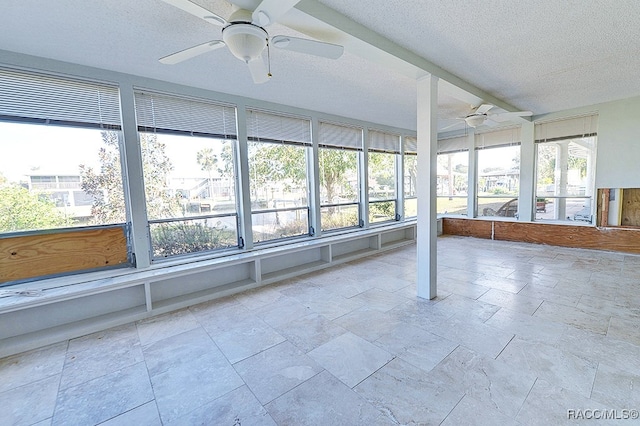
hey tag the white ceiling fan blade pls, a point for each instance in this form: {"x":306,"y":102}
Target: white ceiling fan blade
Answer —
{"x":311,"y":47}
{"x":258,"y":70}
{"x":192,"y":52}
{"x":269,"y":11}
{"x":451,"y":126}
{"x":506,"y":116}
{"x":198,"y":11}
{"x":483,"y":109}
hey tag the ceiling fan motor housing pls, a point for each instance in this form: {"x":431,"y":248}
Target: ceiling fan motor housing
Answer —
{"x":245,"y":40}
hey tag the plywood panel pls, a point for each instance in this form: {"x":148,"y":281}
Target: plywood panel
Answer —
{"x":467,"y":228}
{"x":624,"y":240}
{"x":613,"y":239}
{"x":29,"y":256}
{"x":631,"y":207}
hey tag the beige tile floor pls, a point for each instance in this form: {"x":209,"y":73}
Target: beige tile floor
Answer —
{"x":519,"y":334}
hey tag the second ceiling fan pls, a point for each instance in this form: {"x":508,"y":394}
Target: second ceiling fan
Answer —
{"x":246,"y":38}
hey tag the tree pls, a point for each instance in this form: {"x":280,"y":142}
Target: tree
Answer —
{"x":207,"y":161}
{"x":21,"y":210}
{"x":334,"y":166}
{"x":269,"y":163}
{"x":105,"y":184}
{"x":227,"y":169}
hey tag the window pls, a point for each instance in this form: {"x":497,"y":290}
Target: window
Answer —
{"x":410,"y":160}
{"x":383,"y":150}
{"x":452,"y":176}
{"x":188,"y":152}
{"x":338,"y":157}
{"x":498,"y":168}
{"x":59,"y":153}
{"x":565,"y":169}
{"x":278,"y":148}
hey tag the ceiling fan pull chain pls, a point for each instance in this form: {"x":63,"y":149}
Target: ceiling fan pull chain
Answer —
{"x":268,"y":59}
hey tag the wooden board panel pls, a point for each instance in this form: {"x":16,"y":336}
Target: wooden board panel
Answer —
{"x":466,"y":227}
{"x":631,"y":207}
{"x":623,"y":240}
{"x":29,"y":256}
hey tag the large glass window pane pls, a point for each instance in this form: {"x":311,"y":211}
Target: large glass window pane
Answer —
{"x":498,"y":181}
{"x":565,"y":179}
{"x":278,"y":184}
{"x":452,"y":183}
{"x":189,"y":177}
{"x":339,"y":192}
{"x":410,"y":161}
{"x":56,"y":177}
{"x":382,"y":187}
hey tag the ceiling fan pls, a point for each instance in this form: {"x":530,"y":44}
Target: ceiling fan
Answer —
{"x":245,"y":36}
{"x":483,"y":115}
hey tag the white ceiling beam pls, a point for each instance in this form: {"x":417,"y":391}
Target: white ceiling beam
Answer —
{"x":366,"y":43}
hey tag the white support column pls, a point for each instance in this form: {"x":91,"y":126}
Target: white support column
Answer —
{"x":364,"y":176}
{"x":400,"y":181}
{"x":427,"y":233}
{"x":472,"y":176}
{"x":244,"y":194}
{"x":313,"y":171}
{"x":563,"y":171}
{"x":134,"y":181}
{"x":526,"y":205}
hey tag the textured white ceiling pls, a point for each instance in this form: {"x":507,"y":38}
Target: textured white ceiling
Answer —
{"x":543,"y":56}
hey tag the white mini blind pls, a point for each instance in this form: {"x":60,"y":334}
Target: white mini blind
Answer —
{"x":502,"y":137}
{"x":410,"y":145}
{"x":46,"y":99}
{"x":451,"y":145}
{"x":269,"y":127}
{"x":577,"y":127}
{"x":339,"y":136}
{"x":384,"y":142}
{"x":163,"y":113}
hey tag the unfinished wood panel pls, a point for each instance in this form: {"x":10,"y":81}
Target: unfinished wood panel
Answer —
{"x":29,"y":256}
{"x":630,"y":207}
{"x":602,"y":211}
{"x":623,"y":240}
{"x":466,"y":227}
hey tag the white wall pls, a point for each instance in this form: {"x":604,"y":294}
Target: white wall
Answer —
{"x":618,"y":156}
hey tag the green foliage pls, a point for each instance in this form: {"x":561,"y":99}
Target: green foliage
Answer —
{"x":335,"y":164}
{"x":274,"y":162}
{"x":105,"y":184}
{"x":339,"y":219}
{"x":382,"y":168}
{"x":21,"y":210}
{"x":180,"y":238}
{"x":382,"y":211}
{"x":206,"y":159}
{"x":499,"y":190}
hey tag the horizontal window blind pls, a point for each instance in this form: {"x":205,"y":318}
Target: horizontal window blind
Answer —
{"x":384,"y":142}
{"x":410,"y":145}
{"x":451,"y":145}
{"x":339,"y":136}
{"x":577,"y":127}
{"x":496,"y":138}
{"x":46,"y":99}
{"x":269,"y":127}
{"x":162,"y":113}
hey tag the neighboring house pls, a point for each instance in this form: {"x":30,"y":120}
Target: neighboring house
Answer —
{"x":65,"y":190}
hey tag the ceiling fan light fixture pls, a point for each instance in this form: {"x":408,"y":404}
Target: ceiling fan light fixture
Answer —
{"x":245,"y":41}
{"x":475,"y":120}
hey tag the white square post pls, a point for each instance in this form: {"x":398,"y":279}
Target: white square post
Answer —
{"x":426,"y":186}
